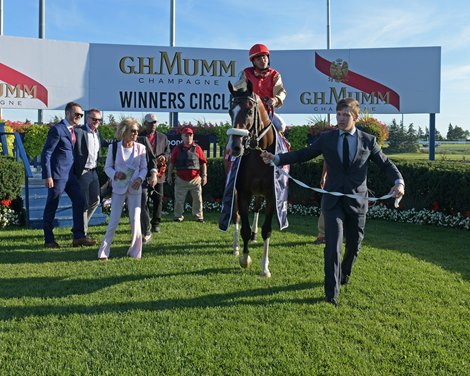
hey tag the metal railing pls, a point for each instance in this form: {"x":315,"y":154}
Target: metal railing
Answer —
{"x":20,"y":154}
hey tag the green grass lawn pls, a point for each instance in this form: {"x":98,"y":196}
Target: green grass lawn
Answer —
{"x":443,"y":152}
{"x":187,"y":308}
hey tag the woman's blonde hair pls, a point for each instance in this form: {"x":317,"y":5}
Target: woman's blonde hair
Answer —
{"x":125,"y":125}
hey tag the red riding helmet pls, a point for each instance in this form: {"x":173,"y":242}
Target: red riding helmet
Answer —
{"x":258,"y":49}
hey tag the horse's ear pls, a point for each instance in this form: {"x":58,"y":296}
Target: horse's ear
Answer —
{"x":249,"y":87}
{"x":230,"y":87}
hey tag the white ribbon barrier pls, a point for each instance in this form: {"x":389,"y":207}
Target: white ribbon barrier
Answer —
{"x":319,"y":190}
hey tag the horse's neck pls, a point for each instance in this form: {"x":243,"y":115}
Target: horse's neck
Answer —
{"x":265,"y":121}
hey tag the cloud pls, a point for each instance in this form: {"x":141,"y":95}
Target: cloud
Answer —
{"x":459,"y":39}
{"x":456,"y":73}
{"x":390,"y":26}
{"x":300,"y":40}
{"x":456,"y":80}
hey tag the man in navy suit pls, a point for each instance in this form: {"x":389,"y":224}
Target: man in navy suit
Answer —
{"x":56,"y":163}
{"x":86,"y":156}
{"x":346,"y":152}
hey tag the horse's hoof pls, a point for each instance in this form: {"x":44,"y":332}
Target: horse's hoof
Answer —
{"x":245,"y":261}
{"x":266,"y":274}
{"x":236,"y":253}
{"x":253,"y":237}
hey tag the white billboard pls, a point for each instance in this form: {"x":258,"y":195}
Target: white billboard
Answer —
{"x":41,"y":73}
{"x":47,"y":74}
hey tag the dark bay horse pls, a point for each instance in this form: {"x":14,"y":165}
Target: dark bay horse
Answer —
{"x":252,"y":132}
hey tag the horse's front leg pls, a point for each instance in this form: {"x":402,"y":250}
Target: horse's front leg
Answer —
{"x":236,"y":237}
{"x":254,"y":226}
{"x":266,"y":233}
{"x":243,"y":211}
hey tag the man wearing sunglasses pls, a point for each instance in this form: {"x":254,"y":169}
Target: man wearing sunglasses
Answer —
{"x":57,"y":172}
{"x":86,"y":156}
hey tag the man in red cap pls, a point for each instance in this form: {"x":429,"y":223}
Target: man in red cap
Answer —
{"x":191,"y":174}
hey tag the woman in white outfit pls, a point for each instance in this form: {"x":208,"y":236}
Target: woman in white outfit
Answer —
{"x":127,"y":172}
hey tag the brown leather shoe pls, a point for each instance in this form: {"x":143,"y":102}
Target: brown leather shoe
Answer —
{"x":319,"y":240}
{"x":83,"y":241}
{"x":51,"y":245}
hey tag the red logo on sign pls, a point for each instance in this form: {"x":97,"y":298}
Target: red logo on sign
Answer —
{"x":13,"y":77}
{"x":357,"y":81}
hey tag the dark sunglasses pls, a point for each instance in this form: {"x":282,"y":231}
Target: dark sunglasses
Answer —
{"x":95,"y":119}
{"x":77,"y":114}
{"x":134,"y":130}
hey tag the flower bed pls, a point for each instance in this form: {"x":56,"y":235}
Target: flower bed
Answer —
{"x":378,"y":211}
{"x":8,"y":216}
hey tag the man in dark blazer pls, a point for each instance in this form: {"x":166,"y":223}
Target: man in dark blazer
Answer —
{"x":86,"y":157}
{"x":57,"y":163}
{"x":346,"y":153}
{"x":158,"y":153}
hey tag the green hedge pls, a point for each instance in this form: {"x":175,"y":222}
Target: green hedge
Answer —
{"x":11,"y":177}
{"x":444,"y":186}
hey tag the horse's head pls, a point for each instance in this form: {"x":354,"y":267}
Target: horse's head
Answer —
{"x":243,"y":111}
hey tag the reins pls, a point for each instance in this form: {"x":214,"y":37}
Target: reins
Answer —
{"x":252,"y":135}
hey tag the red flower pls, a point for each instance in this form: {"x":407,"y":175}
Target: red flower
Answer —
{"x":467,"y":213}
{"x":6,"y":203}
{"x":435,"y":206}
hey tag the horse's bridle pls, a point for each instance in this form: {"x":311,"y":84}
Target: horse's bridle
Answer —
{"x":250,"y":137}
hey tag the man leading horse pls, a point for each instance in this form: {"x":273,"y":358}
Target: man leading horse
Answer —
{"x":346,"y":152}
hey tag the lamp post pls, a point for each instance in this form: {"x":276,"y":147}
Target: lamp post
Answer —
{"x":328,"y":37}
{"x":173,"y":115}
{"x":1,"y":32}
{"x":42,"y":35}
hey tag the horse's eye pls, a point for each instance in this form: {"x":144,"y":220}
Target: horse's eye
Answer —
{"x":250,"y":112}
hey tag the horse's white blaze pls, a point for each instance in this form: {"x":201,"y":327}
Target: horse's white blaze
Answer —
{"x":254,"y":226}
{"x":236,"y":240}
{"x":235,"y":112}
{"x":265,"y":260}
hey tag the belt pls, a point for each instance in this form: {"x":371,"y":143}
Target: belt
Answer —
{"x":85,"y":170}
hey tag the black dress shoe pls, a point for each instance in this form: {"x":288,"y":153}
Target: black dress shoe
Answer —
{"x":156,"y":228}
{"x":332,"y":301}
{"x":345,"y":280}
{"x":51,"y":245}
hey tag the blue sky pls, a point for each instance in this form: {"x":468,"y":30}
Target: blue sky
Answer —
{"x":280,"y":24}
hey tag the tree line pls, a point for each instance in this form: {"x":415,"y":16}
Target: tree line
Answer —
{"x":406,"y":139}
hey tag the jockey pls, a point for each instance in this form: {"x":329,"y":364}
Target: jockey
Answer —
{"x":267,"y":83}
